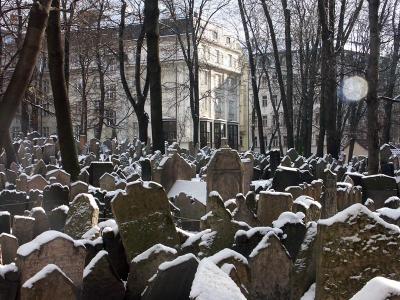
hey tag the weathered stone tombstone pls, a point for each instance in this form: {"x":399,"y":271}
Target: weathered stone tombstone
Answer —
{"x":37,"y":182}
{"x":9,"y":281}
{"x":78,"y":187}
{"x":23,"y":228}
{"x":83,"y":215}
{"x":58,"y":217}
{"x":100,"y":280}
{"x":243,"y":212}
{"x":352,"y":242}
{"x":9,"y":246}
{"x":378,"y":188}
{"x":271,"y":205}
{"x":5,"y":222}
{"x":270,"y":266}
{"x":107,"y":182}
{"x":190,"y":209}
{"x":285,"y":177}
{"x":41,"y":223}
{"x":61,"y":176}
{"x":329,"y":197}
{"x":98,"y":169}
{"x":52,"y":247}
{"x":55,"y":195}
{"x":144,"y":217}
{"x":16,"y":202}
{"x":225,"y":173}
{"x":165,"y":284}
{"x":172,"y":168}
{"x":144,"y":266}
{"x":49,"y":283}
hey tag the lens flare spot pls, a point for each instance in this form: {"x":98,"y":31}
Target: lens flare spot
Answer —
{"x":355,"y":88}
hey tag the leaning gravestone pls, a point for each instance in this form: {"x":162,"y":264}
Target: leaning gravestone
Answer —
{"x":23,"y":228}
{"x":83,"y":214}
{"x":100,"y":280}
{"x":350,"y":252}
{"x":144,"y":217}
{"x":9,"y":246}
{"x":171,"y":169}
{"x":225,"y":173}
{"x":52,"y":247}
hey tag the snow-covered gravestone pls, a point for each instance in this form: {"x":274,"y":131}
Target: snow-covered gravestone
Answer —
{"x":379,"y":188}
{"x":353,"y":247}
{"x":379,"y":288}
{"x":248,"y":170}
{"x":144,"y":266}
{"x":61,"y":176}
{"x":173,"y":280}
{"x":293,"y":229}
{"x":310,"y":208}
{"x":243,"y":213}
{"x":270,"y":266}
{"x":329,"y":199}
{"x":9,"y":281}
{"x":100,"y":280}
{"x":49,"y":283}
{"x":271,"y":205}
{"x":210,"y":282}
{"x":83,"y":214}
{"x":144,"y":217}
{"x":172,"y":168}
{"x":52,"y":247}
{"x":37,"y":182}
{"x":303,"y":272}
{"x":41,"y":221}
{"x":221,"y":223}
{"x":225,"y":173}
{"x":8,"y":246}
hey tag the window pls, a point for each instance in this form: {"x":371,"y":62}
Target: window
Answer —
{"x":275,"y":121}
{"x":214,"y":34}
{"x":205,"y":133}
{"x":265,"y":121}
{"x":264,"y":101}
{"x":228,"y":40}
{"x":169,"y":128}
{"x":281,"y":119}
{"x":274,"y":99}
{"x":317,"y":118}
{"x":111,"y":92}
{"x":230,"y":60}
{"x":275,"y":142}
{"x":112,"y":66}
{"x":110,"y":117}
{"x":285,"y":141}
{"x":255,"y":141}
{"x":218,"y":80}
{"x":233,"y":136}
{"x":217,"y":56}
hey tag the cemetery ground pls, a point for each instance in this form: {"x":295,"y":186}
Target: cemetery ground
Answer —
{"x":212,"y":225}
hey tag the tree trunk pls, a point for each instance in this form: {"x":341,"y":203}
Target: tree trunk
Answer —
{"x":61,"y":102}
{"x":372,"y":78}
{"x":253,"y":74}
{"x":386,"y":135}
{"x":22,"y":74}
{"x":328,"y":106}
{"x":151,"y":16}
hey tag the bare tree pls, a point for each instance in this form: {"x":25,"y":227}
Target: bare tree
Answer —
{"x":23,"y":71}
{"x":60,"y":95}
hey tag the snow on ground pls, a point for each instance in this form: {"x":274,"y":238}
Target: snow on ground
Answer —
{"x":378,"y":288}
{"x":211,"y":283}
{"x":196,"y":189}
